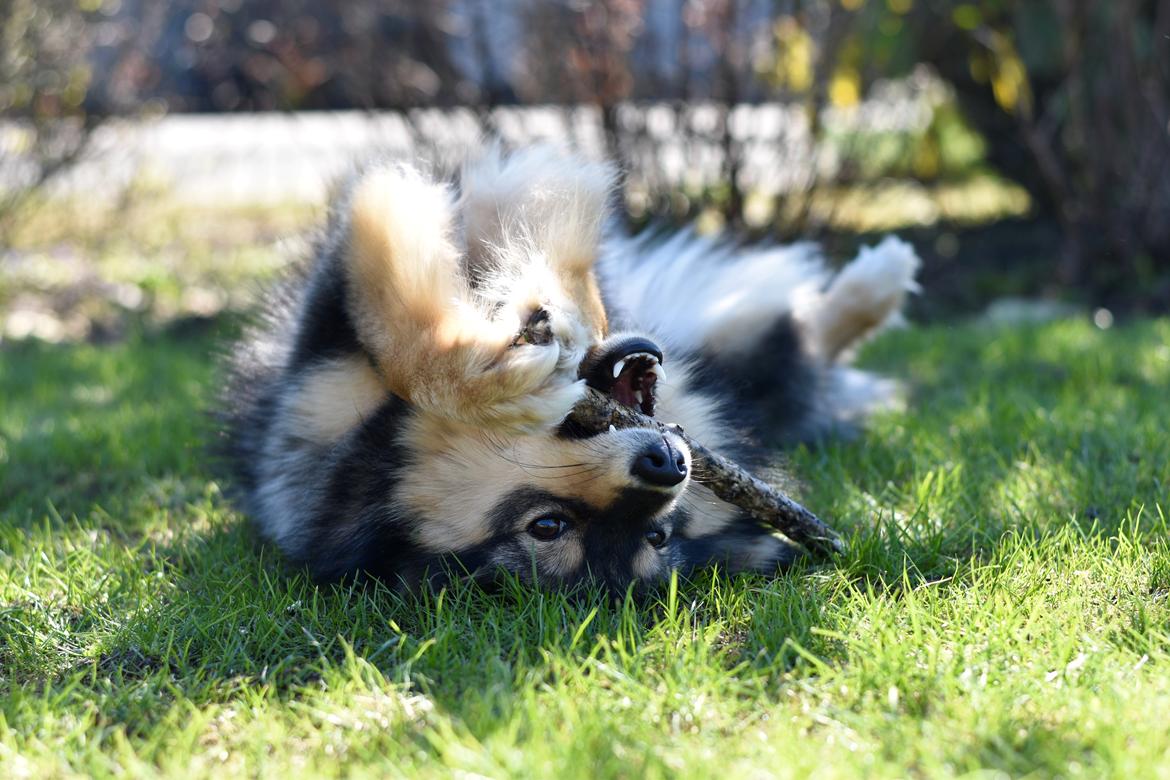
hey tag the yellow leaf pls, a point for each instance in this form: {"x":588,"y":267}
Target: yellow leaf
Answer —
{"x":845,"y":88}
{"x":1009,"y":77}
{"x":966,"y":17}
{"x":794,"y":55}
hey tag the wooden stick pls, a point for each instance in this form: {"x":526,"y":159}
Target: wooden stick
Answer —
{"x":597,"y":411}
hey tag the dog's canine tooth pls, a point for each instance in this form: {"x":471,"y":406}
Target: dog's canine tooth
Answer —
{"x":659,"y":371}
{"x":618,"y":366}
{"x":638,"y":396}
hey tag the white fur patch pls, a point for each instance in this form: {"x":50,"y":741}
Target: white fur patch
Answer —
{"x":541,"y":196}
{"x":648,"y":563}
{"x":852,"y":395}
{"x":864,"y":297}
{"x":333,"y":398}
{"x":695,"y":292}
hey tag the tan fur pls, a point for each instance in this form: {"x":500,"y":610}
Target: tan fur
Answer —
{"x":558,"y":558}
{"x":648,"y":564}
{"x":334,"y":398}
{"x":433,"y":341}
{"x":846,"y":325}
{"x":584,"y":291}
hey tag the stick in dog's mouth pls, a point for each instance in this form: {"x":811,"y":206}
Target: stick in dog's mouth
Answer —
{"x":598,"y":412}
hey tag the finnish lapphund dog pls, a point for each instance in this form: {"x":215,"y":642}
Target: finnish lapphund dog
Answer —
{"x":400,"y":410}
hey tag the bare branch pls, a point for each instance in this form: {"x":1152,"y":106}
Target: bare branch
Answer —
{"x":727,"y":480}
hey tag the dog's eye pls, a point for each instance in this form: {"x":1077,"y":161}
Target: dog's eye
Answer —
{"x":656,"y":537}
{"x":537,"y":331}
{"x":548,"y":527}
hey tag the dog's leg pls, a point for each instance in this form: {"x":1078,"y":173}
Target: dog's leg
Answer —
{"x":704,"y":295}
{"x":772,"y":328}
{"x":405,"y":289}
{"x":436,"y":341}
{"x":866,"y":295}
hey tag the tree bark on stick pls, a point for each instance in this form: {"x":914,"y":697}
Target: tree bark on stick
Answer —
{"x":731,"y":483}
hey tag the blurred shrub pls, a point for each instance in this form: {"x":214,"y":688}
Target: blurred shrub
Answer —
{"x":1073,"y":99}
{"x":1087,"y":88}
{"x":1069,"y":97}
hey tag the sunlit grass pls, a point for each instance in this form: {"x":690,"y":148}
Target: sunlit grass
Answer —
{"x":72,"y":269}
{"x":1004,"y":603}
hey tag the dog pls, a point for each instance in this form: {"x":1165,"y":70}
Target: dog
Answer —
{"x":401,"y":409}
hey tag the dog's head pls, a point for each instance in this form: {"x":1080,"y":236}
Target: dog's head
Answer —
{"x":482,"y":310}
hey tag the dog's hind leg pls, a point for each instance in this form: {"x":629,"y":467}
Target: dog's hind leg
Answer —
{"x":771,"y":328}
{"x":866,"y":295}
{"x":702,"y":294}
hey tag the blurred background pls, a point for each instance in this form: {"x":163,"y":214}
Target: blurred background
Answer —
{"x":156,"y":157}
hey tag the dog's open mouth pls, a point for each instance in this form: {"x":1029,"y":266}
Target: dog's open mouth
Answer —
{"x":628,"y":369}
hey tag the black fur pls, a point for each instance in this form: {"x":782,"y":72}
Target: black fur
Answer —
{"x":771,"y":390}
{"x":335,"y":504}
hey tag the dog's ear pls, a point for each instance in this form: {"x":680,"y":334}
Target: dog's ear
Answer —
{"x":433,"y":343}
{"x":539,"y":201}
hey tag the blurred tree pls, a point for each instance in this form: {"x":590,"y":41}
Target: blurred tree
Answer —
{"x":44,"y":77}
{"x":1073,"y":98}
{"x":263,"y":55}
{"x":580,"y":53}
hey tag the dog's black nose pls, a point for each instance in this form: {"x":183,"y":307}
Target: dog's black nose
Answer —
{"x":660,"y":464}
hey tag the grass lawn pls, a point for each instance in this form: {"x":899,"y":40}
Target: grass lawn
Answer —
{"x":1003,"y":604}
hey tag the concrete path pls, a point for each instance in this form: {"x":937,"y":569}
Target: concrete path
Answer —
{"x":278,"y":158}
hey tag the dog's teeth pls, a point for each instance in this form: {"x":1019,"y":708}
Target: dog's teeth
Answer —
{"x":638,"y":396}
{"x":618,"y":366}
{"x":612,"y":429}
{"x":659,"y":371}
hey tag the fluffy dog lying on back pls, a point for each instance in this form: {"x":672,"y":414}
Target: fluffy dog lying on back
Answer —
{"x":402,"y":410}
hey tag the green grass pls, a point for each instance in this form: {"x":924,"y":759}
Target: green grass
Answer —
{"x":1004,"y":604}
